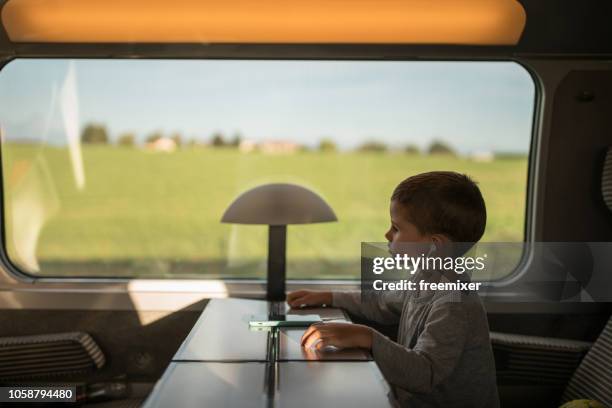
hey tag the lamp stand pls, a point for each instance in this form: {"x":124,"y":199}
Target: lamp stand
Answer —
{"x":277,"y":250}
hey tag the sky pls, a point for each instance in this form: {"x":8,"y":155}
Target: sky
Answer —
{"x":474,"y":106}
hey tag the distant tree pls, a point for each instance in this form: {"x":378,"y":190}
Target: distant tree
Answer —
{"x":441,"y":147}
{"x":94,"y":134}
{"x":235,"y":142}
{"x":153,"y":137}
{"x":373,"y":146}
{"x":327,"y":145}
{"x":126,"y":139}
{"x":178,"y":139}
{"x":412,"y":149}
{"x":218,"y":140}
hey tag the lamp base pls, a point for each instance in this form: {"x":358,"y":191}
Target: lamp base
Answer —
{"x":277,"y":250}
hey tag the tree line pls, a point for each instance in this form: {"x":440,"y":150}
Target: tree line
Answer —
{"x":97,"y":134}
{"x":94,"y":133}
{"x":374,"y":146}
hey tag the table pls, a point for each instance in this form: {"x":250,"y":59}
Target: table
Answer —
{"x":225,"y":363}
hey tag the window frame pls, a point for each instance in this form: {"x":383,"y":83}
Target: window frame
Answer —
{"x":533,"y":160}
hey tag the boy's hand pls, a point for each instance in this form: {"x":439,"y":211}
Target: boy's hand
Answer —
{"x":303,"y":298}
{"x":340,"y":335}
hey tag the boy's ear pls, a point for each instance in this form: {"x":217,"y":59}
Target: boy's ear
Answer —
{"x":440,"y":243}
{"x":439,"y":239}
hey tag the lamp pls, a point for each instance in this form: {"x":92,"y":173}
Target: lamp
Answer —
{"x":278,"y":205}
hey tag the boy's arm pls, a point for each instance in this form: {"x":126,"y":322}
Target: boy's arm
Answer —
{"x":381,"y":307}
{"x":434,"y":356}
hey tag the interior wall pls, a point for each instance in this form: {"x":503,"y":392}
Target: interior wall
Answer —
{"x":581,"y":133}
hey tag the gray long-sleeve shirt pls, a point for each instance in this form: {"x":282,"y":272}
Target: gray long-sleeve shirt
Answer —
{"x":443,"y":355}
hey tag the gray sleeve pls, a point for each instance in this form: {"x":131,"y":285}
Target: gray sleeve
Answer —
{"x":381,"y":307}
{"x":434,"y":356}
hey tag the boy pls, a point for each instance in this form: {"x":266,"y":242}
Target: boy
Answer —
{"x":443,"y":355}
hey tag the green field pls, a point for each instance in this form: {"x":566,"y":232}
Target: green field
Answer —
{"x":157,"y":214}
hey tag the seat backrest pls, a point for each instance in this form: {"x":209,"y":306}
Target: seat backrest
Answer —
{"x":48,"y":356}
{"x":593,"y":377}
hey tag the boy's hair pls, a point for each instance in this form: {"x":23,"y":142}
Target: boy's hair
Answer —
{"x":444,"y":202}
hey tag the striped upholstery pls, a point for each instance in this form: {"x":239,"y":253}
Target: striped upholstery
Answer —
{"x":530,"y":359}
{"x":606,"y":180}
{"x":593,"y":378}
{"x":48,"y":355}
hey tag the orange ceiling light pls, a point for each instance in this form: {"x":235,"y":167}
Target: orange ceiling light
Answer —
{"x":465,"y":22}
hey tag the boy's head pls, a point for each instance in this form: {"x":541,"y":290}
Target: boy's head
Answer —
{"x":437,"y":207}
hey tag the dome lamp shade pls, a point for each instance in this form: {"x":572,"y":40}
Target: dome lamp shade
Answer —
{"x":278,"y":205}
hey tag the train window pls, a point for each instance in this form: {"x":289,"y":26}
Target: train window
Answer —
{"x":123,"y":168}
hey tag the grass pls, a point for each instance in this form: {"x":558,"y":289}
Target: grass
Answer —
{"x":151,"y":214}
